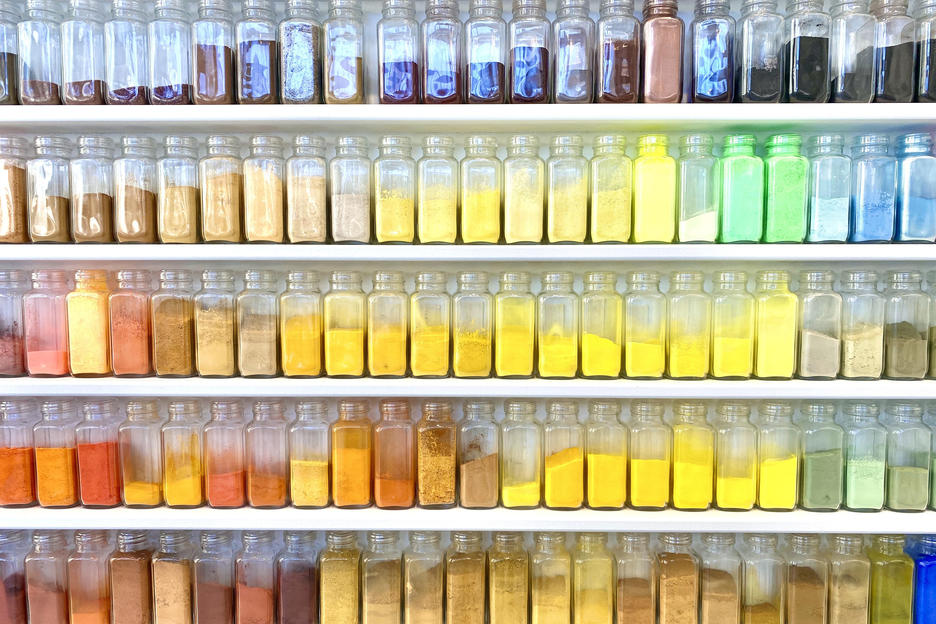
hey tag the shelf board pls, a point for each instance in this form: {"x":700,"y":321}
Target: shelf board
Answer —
{"x":469,"y":520}
{"x":457,"y":388}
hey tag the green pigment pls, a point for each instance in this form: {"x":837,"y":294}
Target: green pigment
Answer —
{"x":786,"y":190}
{"x":822,"y":479}
{"x":864,"y":484}
{"x":741,"y":175}
{"x":907,"y":488}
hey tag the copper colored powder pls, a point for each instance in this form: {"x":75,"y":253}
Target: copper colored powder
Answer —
{"x":131,"y":591}
{"x":806,"y":596}
{"x":679,"y":588}
{"x":721,"y":600}
{"x":214,"y":603}
{"x":635,"y":601}
{"x":47,"y":604}
{"x":254,"y":605}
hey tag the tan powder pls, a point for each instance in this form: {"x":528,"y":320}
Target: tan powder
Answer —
{"x":178,"y":214}
{"x":264,"y":204}
{"x":679,"y":588}
{"x":172,"y":589}
{"x":721,"y":600}
{"x":305,"y":209}
{"x":222,"y":206}
{"x":478,"y":480}
{"x":12,"y":204}
{"x":635,"y":604}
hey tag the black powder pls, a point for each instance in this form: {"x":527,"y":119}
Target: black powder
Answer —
{"x":806,"y":65}
{"x":895,"y":73}
{"x":858,"y":85}
{"x":926,"y":59}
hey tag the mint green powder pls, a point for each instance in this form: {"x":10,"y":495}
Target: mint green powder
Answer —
{"x":741,"y":208}
{"x":907,"y":488}
{"x":822,"y":480}
{"x":864,"y":484}
{"x":785,"y":210}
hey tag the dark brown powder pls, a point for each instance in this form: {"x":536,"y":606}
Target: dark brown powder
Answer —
{"x":214,"y":74}
{"x":214,"y":603}
{"x":8,"y":64}
{"x":298,"y":587}
{"x":85,"y":92}
{"x":39,"y":92}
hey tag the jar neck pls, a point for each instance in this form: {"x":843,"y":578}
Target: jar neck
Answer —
{"x":466,"y":542}
{"x":758,"y":6}
{"x":803,"y":6}
{"x":90,"y":541}
{"x":298,"y":542}
{"x":804,"y":544}
{"x":314,"y":411}
{"x":340,"y":540}
{"x":49,"y":542}
{"x":424,"y":541}
{"x":847,"y":544}
{"x":223,"y":411}
{"x":762,"y":544}
{"x":352,"y":410}
{"x":549,"y":542}
{"x":889,"y":544}
{"x":298,"y":280}
{"x":473,"y":282}
{"x":659,"y":8}
{"x":256,"y":541}
{"x":132,"y":541}
{"x":508,"y":541}
{"x":215,"y":542}
{"x":268,"y":411}
{"x":520,"y":411}
{"x":142,"y":411}
{"x":395,"y":410}
{"x":634,"y":543}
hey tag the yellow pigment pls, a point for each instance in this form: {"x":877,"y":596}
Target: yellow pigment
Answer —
{"x":607,"y":480}
{"x":344,"y":352}
{"x":521,"y":494}
{"x":523,"y":207}
{"x":558,"y":353}
{"x":610,"y":217}
{"x":308,"y":482}
{"x":429,"y":350}
{"x":775,"y":346}
{"x":654,"y":199}
{"x":601,"y":357}
{"x":736,"y":492}
{"x":732,"y":357}
{"x":437,"y":214}
{"x":480,"y":218}
{"x":649,"y":482}
{"x":689,"y":356}
{"x":565,"y":478}
{"x":471,"y":354}
{"x":183,"y":474}
{"x":394,"y":217}
{"x":513,"y":352}
{"x":142,"y":493}
{"x":644,"y":359}
{"x":88,"y":333}
{"x":301,"y":345}
{"x":567,"y":212}
{"x":693,"y":467}
{"x":777,"y":487}
{"x":386,"y":351}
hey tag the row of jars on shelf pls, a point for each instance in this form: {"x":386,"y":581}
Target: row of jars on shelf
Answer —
{"x":858,"y":54}
{"x":824,"y":196}
{"x":686,"y":333}
{"x":131,"y":576}
{"x":645,"y":463}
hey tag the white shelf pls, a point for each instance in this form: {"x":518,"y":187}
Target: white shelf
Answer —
{"x":458,"y":388}
{"x":469,"y":519}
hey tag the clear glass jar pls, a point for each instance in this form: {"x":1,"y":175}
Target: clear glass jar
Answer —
{"x":528,"y":42}
{"x":908,"y":458}
{"x":305,"y":190}
{"x":636,"y":579}
{"x":436,"y":456}
{"x":735,"y":457}
{"x":916,"y":193}
{"x":213,"y":50}
{"x":98,"y":465}
{"x":865,"y":457}
{"x":309,"y":447}
{"x":779,"y":443}
{"x":567,"y":190}
{"x":654,"y":187}
{"x":618,"y":53}
{"x":343,"y":33}
{"x":926,"y":52}
{"x":806,"y":31}
{"x":257,"y":325}
{"x":213,"y":315}
{"x":9,"y":89}
{"x":485,"y":53}
{"x":182,"y":455}
{"x":442,"y":42}
{"x":387,"y":326}
{"x":300,"y":325}
{"x":521,"y":455}
{"x":712,"y":34}
{"x":480,"y":190}
{"x":677,"y":569}
{"x":464,"y":572}
{"x":697,"y":195}
{"x":89,"y":352}
{"x":40,"y":53}
{"x":18,"y":473}
{"x":430,"y":317}
{"x":352,"y":455}
{"x":173,"y":321}
{"x":381,"y":578}
{"x":340,"y":578}
{"x":173,"y":572}
{"x":741,"y":175}
{"x":785,"y":185}
{"x":83,"y":73}
{"x":170,"y":53}
{"x":297,"y":579}
{"x":125,"y":52}
{"x":345,"y":314}
{"x":300,"y":58}
{"x":606,"y":440}
{"x":394,"y":456}
{"x":398,"y":53}
{"x":610,"y":173}
{"x":601,"y":324}
{"x":177,"y":191}
{"x":524,"y":190}
{"x":265,"y":447}
{"x":733,"y":322}
{"x":849,"y":578}
{"x":257,"y":51}
{"x":423,"y":578}
{"x":650,"y":452}
{"x":395,"y":191}
{"x":514,"y":325}
{"x":551,"y":578}
{"x":349,"y":179}
{"x":891,"y":579}
{"x":874,"y":190}
{"x":852,"y":51}
{"x":13,"y":204}
{"x":472,"y":326}
{"x":221,"y":178}
{"x":225,"y":461}
{"x":45,"y":569}
{"x":822,"y":454}
{"x":45,"y":326}
{"x":135,"y":191}
{"x":829,"y":189}
{"x":86,"y":571}
{"x":213,"y":569}
{"x":689,"y":326}
{"x":820,"y":333}
{"x":12,"y":340}
{"x":906,"y":326}
{"x":693,"y":456}
{"x":662,"y":53}
{"x":721,"y":579}
{"x":894,"y":51}
{"x":56,"y":454}
{"x":764,"y":581}
{"x":564,"y":452}
{"x":264,"y":192}
{"x":776,"y":325}
{"x":141,"y":464}
{"x":437,"y":191}
{"x":758,"y":43}
{"x":557,"y":327}
{"x":254,"y":573}
{"x":508,"y":579}
{"x":478,"y":455}
{"x":573,"y":40}
{"x":644,"y":326}
{"x":807,"y":580}
{"x":92,"y":191}
{"x":863,"y":313}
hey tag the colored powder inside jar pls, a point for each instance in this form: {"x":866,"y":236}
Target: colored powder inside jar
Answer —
{"x":472,"y":353}
{"x":520,"y":494}
{"x":907,"y":488}
{"x":225,"y":489}
{"x":806,"y":595}
{"x":607,"y":480}
{"x":601,"y":357}
{"x":130,"y":331}
{"x":513,"y":354}
{"x":172,"y":591}
{"x":678,"y":588}
{"x":568,"y":212}
{"x":308,"y":482}
{"x":644,"y":359}
{"x":478,"y":482}
{"x":721,"y":597}
{"x":264,"y":202}
{"x":173,"y":348}
{"x":732,"y":357}
{"x":257,"y":344}
{"x":558,"y":353}
{"x":565,"y":478}
{"x":822,"y":479}
{"x":254,"y":604}
{"x":480,"y":222}
{"x":905,"y":351}
{"x":183,"y":474}
{"x":88,"y":340}
{"x":131,"y":587}
{"x":56,"y":476}
{"x":438,"y":210}
{"x":214,"y":339}
{"x":301,"y":345}
{"x":99,"y":474}
{"x":344,"y":352}
{"x":142,"y":494}
{"x":306,"y":208}
{"x":689,"y":356}
{"x":777,"y":487}
{"x":611,"y":214}
{"x":214,"y":603}
{"x":864,"y":483}
{"x":381,"y":590}
{"x":387,"y":350}
{"x":635,"y":604}
{"x":351,"y":476}
{"x":178,"y":214}
{"x":736,"y":492}
{"x":775,"y":343}
{"x":394,"y":218}
{"x":693,"y":468}
{"x":17,"y":476}
{"x":12,"y":362}
{"x":339,"y":594}
{"x":297,"y":589}
{"x":649,"y":482}
{"x":429,"y":351}
{"x":13,"y":599}
{"x":266,"y":489}
{"x":762,"y":613}
{"x":435,"y":466}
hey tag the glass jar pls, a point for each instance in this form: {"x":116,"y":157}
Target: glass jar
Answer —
{"x":820,"y":333}
{"x":472,"y":326}
{"x":56,"y":454}
{"x":442,"y":43}
{"x":12,"y":340}
{"x":339,"y":578}
{"x":713,"y":57}
{"x":92,"y":190}
{"x":300,"y":64}
{"x":662,"y":53}
{"x":514,"y":324}
{"x":567,"y":190}
{"x":225,"y":461}
{"x":387,"y":326}
{"x":733,"y":321}
{"x":125,"y":54}
{"x":45,"y":327}
{"x":173,"y":335}
{"x":86,"y":570}
{"x":45,"y":568}
{"x":697,"y":196}
{"x":430,"y":316}
{"x":779,"y":443}
{"x":254,"y":572}
{"x":381,"y":579}
{"x":785,"y":186}
{"x":865,"y":457}
{"x":222,"y":196}
{"x":636,"y":579}
{"x":863,"y":311}
{"x":521,"y":455}
{"x":908,"y":458}
{"x":721,"y":579}
{"x":735,"y":457}
{"x":89,"y":352}
{"x":874,"y":190}
{"x":806,"y":31}
{"x":478,"y":455}
{"x":741,"y":173}
{"x":423,"y":578}
{"x":300,"y":325}
{"x":349,"y":178}
{"x":776,"y":324}
{"x":891,"y":580}
{"x":693,"y":456}
{"x":170,"y":53}
{"x":906,"y":326}
{"x":508,"y":579}
{"x":343,"y":33}
{"x":297,"y":579}
{"x":345,"y":314}
{"x":436,"y":456}
{"x":172,"y":577}
{"x":823,"y":458}
{"x":394,"y":456}
{"x":182,"y":455}
{"x":135,"y":191}
{"x":257,"y":62}
{"x":764,"y":584}
{"x":213,"y":568}
{"x":601,"y":324}
{"x":524,"y":190}
{"x":351,"y":455}
{"x":551,"y":578}
{"x":213,"y":316}
{"x":98,"y":466}
{"x":528,"y":42}
{"x":265,"y":447}
{"x":464,"y":578}
{"x":758,"y":75}
{"x":807,"y":580}
{"x":916,"y":194}
{"x":649,"y":456}
{"x":264,"y":193}
{"x":689,"y":328}
{"x":480,"y":190}
{"x":177,"y":191}
{"x":437,"y":191}
{"x":852,"y":51}
{"x":485,"y":54}
{"x":9,"y":16}
{"x":18,"y":471}
{"x":564,"y":450}
{"x":13,"y":204}
{"x":257,"y":318}
{"x":829,"y":189}
{"x":677,"y":569}
{"x":213,"y":49}
{"x":645,"y":322}
{"x":557,"y":327}
{"x":395,"y":191}
{"x":573,"y":41}
{"x":926,"y":52}
{"x":83,"y":54}
{"x":849,"y":578}
{"x":309,"y":447}
{"x":305,"y":190}
{"x":923,"y":552}
{"x":610,"y":173}
{"x":606,"y":456}
{"x":40,"y":53}
{"x":131,"y":578}
{"x":141,"y":465}
{"x":894,"y":51}
{"x":618,"y":53}
{"x":654,"y":185}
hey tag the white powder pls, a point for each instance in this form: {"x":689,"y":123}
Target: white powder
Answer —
{"x":702,"y":228}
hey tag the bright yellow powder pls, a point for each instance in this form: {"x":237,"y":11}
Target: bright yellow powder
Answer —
{"x":777,"y":487}
{"x":601,"y":357}
{"x":142,"y":493}
{"x":480,"y":219}
{"x":308,"y":482}
{"x":732,"y":357}
{"x":521,"y":494}
{"x":183,"y":475}
{"x":437,"y":216}
{"x":735,"y":492}
{"x":654,"y":199}
{"x":644,"y":359}
{"x":611,"y":218}
{"x":344,"y":352}
{"x":689,"y":356}
{"x":693,"y":467}
{"x":386,"y":350}
{"x":775,"y":346}
{"x":394,"y":217}
{"x":567,"y":212}
{"x":429,"y":350}
{"x":649,"y":482}
{"x":471,"y":354}
{"x":88,"y":333}
{"x":513,"y":350}
{"x":607,"y":480}
{"x":301,"y":345}
{"x":565,"y":478}
{"x":558,"y":354}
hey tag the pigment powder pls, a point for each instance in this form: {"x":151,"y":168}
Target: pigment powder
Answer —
{"x":721,"y":597}
{"x":381,"y":590}
{"x":99,"y":474}
{"x":822,"y":479}
{"x":13,"y":599}
{"x":254,"y":604}
{"x":463,"y":588}
{"x":172,"y":589}
{"x":130,"y":587}
{"x":214,"y":603}
{"x":17,"y":476}
{"x":339,"y":594}
{"x":56,"y":476}
{"x":806,"y":601}
{"x":478,"y":480}
{"x":435,"y":452}
{"x":679,"y":588}
{"x":635,"y":603}
{"x":47,"y":603}
{"x":297,"y":593}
